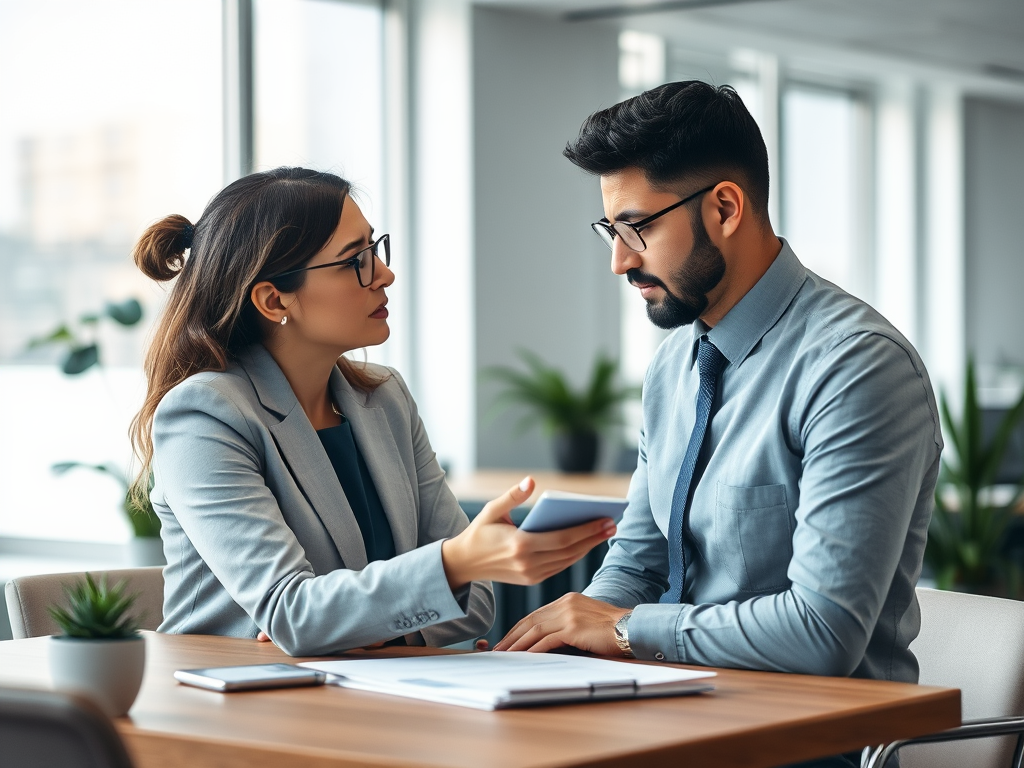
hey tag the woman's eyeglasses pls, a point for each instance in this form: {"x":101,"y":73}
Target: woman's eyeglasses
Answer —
{"x":364,"y":262}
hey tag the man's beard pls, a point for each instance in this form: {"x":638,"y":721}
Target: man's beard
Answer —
{"x":699,"y":273}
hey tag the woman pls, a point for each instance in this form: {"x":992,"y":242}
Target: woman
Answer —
{"x":298,"y":492}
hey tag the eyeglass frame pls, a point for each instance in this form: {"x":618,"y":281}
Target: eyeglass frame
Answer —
{"x":603,"y":225}
{"x":352,"y":261}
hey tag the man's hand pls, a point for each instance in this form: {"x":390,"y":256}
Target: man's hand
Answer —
{"x":572,"y":619}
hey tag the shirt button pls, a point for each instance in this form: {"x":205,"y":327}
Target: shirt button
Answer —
{"x":659,"y":656}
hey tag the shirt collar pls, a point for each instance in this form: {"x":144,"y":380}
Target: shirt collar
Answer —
{"x":754,"y":315}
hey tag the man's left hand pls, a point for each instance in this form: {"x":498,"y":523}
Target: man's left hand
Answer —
{"x":572,"y":619}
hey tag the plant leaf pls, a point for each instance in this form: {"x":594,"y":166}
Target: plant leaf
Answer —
{"x":992,"y":459}
{"x":81,"y":359}
{"x":127,"y":312}
{"x":94,"y":611}
{"x":58,"y":336}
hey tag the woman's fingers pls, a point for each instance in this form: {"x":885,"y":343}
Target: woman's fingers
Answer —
{"x":539,"y":565}
{"x":499,"y":508}
{"x":566,"y":538}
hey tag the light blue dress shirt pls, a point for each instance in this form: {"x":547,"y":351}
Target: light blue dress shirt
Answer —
{"x":808,"y":523}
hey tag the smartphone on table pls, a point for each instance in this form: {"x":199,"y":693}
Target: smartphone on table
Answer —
{"x":250,"y":677}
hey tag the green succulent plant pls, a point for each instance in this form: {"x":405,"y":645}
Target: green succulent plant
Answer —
{"x":95,"y":611}
{"x":551,"y":400}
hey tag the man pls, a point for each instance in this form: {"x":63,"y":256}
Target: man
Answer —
{"x":778,"y":513}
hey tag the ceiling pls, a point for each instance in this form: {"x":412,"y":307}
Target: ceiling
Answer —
{"x":978,"y":37}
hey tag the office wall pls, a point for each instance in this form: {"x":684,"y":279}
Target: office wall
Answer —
{"x":994,"y":230}
{"x":542,"y":280}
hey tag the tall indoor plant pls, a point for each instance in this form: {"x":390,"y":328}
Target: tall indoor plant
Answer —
{"x":967,"y":539}
{"x":146,"y":547}
{"x":80,"y":342}
{"x":573,"y":417}
{"x":100,"y":652}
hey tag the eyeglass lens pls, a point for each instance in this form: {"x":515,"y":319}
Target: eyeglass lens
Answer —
{"x":608,"y":232}
{"x":368,"y":259}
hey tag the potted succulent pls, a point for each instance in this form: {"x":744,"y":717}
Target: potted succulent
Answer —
{"x":145,"y":547}
{"x":100,"y":653}
{"x":573,"y":417}
{"x":966,"y":546}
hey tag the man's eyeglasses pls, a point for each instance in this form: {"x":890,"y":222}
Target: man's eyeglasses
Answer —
{"x":630,"y":231}
{"x":364,"y":262}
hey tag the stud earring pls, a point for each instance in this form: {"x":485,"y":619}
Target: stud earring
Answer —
{"x":284,"y":320}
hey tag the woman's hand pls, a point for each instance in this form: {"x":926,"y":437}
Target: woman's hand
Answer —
{"x":493,"y":549}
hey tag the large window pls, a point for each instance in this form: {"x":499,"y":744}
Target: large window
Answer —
{"x":111,"y":119}
{"x":825,"y":176}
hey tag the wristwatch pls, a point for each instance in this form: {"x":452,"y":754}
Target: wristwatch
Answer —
{"x":622,"y":635}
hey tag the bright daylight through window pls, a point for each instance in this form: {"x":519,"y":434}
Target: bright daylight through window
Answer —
{"x":92,"y":153}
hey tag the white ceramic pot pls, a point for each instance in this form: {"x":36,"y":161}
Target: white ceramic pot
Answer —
{"x":146,"y":550}
{"x":107,"y":671}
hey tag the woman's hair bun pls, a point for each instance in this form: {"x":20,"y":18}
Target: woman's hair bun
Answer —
{"x":160,"y":252}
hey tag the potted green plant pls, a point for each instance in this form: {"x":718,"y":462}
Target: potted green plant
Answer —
{"x":966,"y":546}
{"x":82,"y":350}
{"x":100,"y":653}
{"x":145,"y":547}
{"x":573,"y":417}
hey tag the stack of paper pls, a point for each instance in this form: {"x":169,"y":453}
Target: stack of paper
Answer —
{"x":511,"y":679}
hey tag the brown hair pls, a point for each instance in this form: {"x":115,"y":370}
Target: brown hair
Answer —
{"x":257,"y":227}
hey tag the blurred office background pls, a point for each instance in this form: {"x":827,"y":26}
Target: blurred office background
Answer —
{"x":895,"y":130}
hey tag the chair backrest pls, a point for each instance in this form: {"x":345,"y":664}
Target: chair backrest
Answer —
{"x":40,"y":729}
{"x":976,"y":644}
{"x":28,"y":598}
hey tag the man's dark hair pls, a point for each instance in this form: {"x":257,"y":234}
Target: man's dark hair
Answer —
{"x":688,"y":129}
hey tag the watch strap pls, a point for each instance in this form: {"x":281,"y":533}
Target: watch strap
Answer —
{"x":622,"y":635}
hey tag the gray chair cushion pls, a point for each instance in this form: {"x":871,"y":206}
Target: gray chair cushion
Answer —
{"x":976,"y":644}
{"x":29,"y":597}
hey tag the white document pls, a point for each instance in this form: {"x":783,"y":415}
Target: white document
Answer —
{"x":496,"y":680}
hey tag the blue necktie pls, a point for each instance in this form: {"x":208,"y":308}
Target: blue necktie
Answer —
{"x":710,"y":363}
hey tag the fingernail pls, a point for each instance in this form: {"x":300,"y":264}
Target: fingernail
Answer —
{"x":524,"y":484}
{"x":608,"y":526}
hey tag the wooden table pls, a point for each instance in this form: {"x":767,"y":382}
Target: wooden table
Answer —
{"x":752,"y":719}
{"x":486,"y":484}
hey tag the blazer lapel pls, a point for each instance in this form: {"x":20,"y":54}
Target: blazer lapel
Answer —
{"x":377,"y":445}
{"x":301,"y":449}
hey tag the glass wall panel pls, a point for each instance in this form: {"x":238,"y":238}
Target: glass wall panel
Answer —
{"x":824,"y":173}
{"x":319,"y":100}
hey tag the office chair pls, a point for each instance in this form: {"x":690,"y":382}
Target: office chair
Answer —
{"x":976,"y":644}
{"x":29,"y":597}
{"x":42,"y":729}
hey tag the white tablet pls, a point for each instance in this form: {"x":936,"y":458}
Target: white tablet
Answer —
{"x":555,"y":510}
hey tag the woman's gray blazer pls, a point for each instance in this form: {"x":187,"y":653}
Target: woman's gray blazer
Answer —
{"x":258,"y":533}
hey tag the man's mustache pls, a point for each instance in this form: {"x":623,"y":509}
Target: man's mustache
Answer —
{"x":635,"y":276}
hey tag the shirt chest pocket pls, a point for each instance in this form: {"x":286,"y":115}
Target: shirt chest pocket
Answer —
{"x":753,"y":538}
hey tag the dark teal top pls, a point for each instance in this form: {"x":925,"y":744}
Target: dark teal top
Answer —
{"x":360,"y":491}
